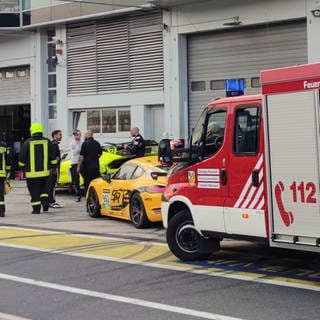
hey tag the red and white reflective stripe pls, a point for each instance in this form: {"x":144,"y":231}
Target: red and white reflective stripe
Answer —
{"x":252,"y":197}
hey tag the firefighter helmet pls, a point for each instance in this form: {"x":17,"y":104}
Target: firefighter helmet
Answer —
{"x":36,"y":128}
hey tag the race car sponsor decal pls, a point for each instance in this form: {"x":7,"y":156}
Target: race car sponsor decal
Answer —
{"x":106,"y":199}
{"x":117,"y":200}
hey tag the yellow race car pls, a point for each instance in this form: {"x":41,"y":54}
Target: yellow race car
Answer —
{"x":133,"y":192}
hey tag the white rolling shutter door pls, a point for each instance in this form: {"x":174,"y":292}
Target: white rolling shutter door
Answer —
{"x":81,"y":57}
{"x":240,"y":53}
{"x":146,"y":52}
{"x":117,"y":54}
{"x":112,"y":51}
{"x":9,"y":86}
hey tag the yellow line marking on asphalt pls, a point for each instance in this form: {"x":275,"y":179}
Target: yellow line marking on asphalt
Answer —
{"x":128,"y":251}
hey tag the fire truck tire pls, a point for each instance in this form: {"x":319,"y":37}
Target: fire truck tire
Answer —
{"x":93,"y":206}
{"x":138,"y":214}
{"x":185,"y":242}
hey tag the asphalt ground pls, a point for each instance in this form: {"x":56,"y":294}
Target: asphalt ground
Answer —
{"x":72,"y":218}
{"x":70,"y":230}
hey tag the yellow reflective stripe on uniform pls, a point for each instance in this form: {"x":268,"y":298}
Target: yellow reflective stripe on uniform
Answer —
{"x":21,"y":164}
{"x":45,"y":172}
{"x":1,"y":203}
{"x":35,"y":203}
{"x":37,"y":174}
{"x":33,"y":143}
{"x":3,"y":161}
{"x":54,"y":161}
{"x":42,"y":195}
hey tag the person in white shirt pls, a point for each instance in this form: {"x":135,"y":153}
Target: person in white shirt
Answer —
{"x":75,"y":148}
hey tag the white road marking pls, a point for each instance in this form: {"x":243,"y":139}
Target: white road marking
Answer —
{"x":222,"y":274}
{"x":117,"y":298}
{"x":6,"y":316}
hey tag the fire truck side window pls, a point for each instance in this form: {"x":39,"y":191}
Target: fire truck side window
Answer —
{"x":246,"y":131}
{"x":214,"y":135}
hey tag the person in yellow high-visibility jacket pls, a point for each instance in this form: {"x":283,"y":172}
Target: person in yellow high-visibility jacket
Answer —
{"x":5,"y":166}
{"x":36,"y":159}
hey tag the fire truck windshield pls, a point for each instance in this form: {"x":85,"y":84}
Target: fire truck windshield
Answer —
{"x":197,"y":135}
{"x":208,"y":135}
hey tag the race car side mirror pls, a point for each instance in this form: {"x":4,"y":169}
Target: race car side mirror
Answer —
{"x":155,"y":175}
{"x":164,"y":152}
{"x":107,"y":177}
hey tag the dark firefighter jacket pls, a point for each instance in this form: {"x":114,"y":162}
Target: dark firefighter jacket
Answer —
{"x":137,"y":146}
{"x":37,"y":156}
{"x":5,"y":161}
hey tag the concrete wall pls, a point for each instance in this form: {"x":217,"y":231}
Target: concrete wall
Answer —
{"x":16,"y":48}
{"x":209,"y":16}
{"x":313,"y":24}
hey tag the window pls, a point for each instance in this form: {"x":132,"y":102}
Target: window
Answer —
{"x":93,"y":120}
{"x":52,"y":111}
{"x":208,"y":135}
{"x":22,"y":73}
{"x":125,"y":172}
{"x":52,"y":83}
{"x":124,"y":120}
{"x":52,"y":96}
{"x":214,"y":134}
{"x":255,"y":82}
{"x":198,"y":86}
{"x":109,"y":120}
{"x":198,"y":133}
{"x":51,"y":69}
{"x":246,"y":131}
{"x":139,"y":172}
{"x":217,"y":84}
{"x":9,"y":74}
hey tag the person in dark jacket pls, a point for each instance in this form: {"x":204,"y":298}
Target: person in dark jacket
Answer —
{"x":137,"y":146}
{"x":37,"y":158}
{"x":54,"y":176}
{"x":5,"y":166}
{"x":88,"y":164}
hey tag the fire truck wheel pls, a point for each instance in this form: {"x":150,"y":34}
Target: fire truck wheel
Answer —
{"x":185,"y":241}
{"x":93,"y":206}
{"x":138,"y":214}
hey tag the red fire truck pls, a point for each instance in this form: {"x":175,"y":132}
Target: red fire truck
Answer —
{"x":250,"y":169}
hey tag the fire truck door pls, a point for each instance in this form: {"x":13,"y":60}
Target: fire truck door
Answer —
{"x":244,"y":207}
{"x":207,"y":185}
{"x":293,"y":170}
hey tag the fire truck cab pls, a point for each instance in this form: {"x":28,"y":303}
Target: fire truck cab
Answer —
{"x":250,"y":169}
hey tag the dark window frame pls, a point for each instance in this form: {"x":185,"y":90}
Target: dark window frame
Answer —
{"x":245,"y":142}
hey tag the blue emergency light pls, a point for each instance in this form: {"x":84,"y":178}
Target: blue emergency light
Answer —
{"x":234,"y":87}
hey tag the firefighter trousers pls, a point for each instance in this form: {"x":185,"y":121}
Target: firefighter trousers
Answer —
{"x":38,"y":189}
{"x":2,"y":205}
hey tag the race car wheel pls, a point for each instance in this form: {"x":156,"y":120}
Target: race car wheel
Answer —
{"x":184,"y":240}
{"x":137,"y":212}
{"x":93,"y":205}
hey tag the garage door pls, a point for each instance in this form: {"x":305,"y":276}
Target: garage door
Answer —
{"x":240,"y":53}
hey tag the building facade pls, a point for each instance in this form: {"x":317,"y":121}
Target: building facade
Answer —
{"x":151,"y":64}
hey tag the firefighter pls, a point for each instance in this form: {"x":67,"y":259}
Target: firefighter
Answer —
{"x":37,"y":158}
{"x":137,"y":146}
{"x":5,"y":166}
